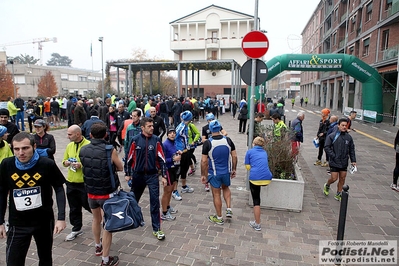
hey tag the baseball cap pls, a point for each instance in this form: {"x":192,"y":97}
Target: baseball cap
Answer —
{"x":170,"y":129}
{"x":39,"y":123}
{"x":215,"y":126}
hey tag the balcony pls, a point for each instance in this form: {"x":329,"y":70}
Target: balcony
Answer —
{"x":390,"y":53}
{"x":212,"y":43}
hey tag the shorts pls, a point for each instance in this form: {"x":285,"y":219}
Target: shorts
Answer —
{"x":171,"y":175}
{"x":48,"y":114}
{"x":95,"y":203}
{"x":335,"y":169}
{"x":217,"y":181}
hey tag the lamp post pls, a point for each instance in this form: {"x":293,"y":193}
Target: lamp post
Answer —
{"x":13,"y":78}
{"x":102,"y":68}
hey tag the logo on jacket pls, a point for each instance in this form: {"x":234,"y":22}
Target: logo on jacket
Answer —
{"x":151,"y":147}
{"x":118,"y":215}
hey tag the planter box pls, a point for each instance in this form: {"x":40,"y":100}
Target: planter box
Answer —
{"x":283,"y":194}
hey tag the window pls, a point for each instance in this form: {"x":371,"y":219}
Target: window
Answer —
{"x":388,"y":4}
{"x":366,"y":47}
{"x":64,"y":76}
{"x":214,"y":36}
{"x":351,"y":50}
{"x":334,"y":39}
{"x":82,"y":78}
{"x":385,"y":39}
{"x":369,"y":11}
{"x":353,"y":23}
{"x":214,"y":55}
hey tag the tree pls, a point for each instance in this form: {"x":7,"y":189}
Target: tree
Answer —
{"x":25,"y":59}
{"x":47,"y":86}
{"x":58,"y":60}
{"x":6,"y":83}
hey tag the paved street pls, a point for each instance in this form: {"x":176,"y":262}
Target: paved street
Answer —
{"x":287,"y":238}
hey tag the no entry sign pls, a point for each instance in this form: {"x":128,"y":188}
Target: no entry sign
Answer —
{"x":255,"y":44}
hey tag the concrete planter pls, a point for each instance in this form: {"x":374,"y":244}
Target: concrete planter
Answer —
{"x":283,"y":194}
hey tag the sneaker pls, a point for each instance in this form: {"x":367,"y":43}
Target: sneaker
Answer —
{"x":176,"y":195}
{"x":325,"y":164}
{"x":215,"y":219}
{"x":318,"y":162}
{"x":207,"y":187}
{"x":338,"y":196}
{"x":172,"y":210}
{"x":159,"y":234}
{"x":229,"y":213}
{"x":255,"y":226}
{"x":191,"y":172}
{"x":73,"y":235}
{"x":99,"y":250}
{"x":167,"y":217}
{"x":394,"y":187}
{"x":328,"y":171}
{"x":187,"y":189}
{"x":113,"y":261}
{"x":326,"y":189}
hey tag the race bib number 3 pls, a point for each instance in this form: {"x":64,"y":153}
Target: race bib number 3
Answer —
{"x":27,"y":198}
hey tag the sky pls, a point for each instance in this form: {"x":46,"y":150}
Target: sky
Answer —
{"x":129,"y":25}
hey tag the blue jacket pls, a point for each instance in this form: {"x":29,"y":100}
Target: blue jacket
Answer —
{"x":169,"y":150}
{"x":86,"y":127}
{"x":257,"y":159}
{"x":145,"y":156}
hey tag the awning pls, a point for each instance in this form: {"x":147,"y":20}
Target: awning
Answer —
{"x":385,"y":69}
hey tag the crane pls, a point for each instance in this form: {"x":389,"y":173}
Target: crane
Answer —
{"x":39,"y":42}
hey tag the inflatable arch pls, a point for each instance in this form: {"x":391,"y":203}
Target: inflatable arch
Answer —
{"x":353,"y":66}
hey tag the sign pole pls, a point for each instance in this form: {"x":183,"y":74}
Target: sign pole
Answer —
{"x":252,"y":94}
{"x":253,"y":81}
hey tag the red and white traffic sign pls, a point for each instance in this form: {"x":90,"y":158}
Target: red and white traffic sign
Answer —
{"x":255,"y":44}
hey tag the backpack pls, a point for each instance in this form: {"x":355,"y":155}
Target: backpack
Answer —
{"x":187,"y":106}
{"x":196,"y":106}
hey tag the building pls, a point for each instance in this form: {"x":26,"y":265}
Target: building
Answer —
{"x":367,"y":29}
{"x":118,"y":84}
{"x":70,"y":81}
{"x":285,"y":84}
{"x":212,"y":33}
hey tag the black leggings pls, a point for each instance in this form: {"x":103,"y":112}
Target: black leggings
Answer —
{"x":255,"y":192}
{"x":321,"y":149}
{"x":192,"y":156}
{"x":396,"y":170}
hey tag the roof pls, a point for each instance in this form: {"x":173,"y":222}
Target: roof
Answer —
{"x":198,"y":11}
{"x":173,"y":65}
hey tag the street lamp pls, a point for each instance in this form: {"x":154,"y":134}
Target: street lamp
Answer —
{"x":102,"y":68}
{"x":13,"y":79}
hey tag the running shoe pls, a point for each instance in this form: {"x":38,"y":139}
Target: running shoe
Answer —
{"x":73,"y":235}
{"x":318,"y":162}
{"x":326,"y":189}
{"x":187,"y":189}
{"x":191,"y":172}
{"x":255,"y":226}
{"x":394,"y":187}
{"x":229,"y":213}
{"x":172,"y":210}
{"x":159,"y":234}
{"x":215,"y":219}
{"x":113,"y":261}
{"x":207,"y":187}
{"x":338,"y":196}
{"x":167,"y":217}
{"x":99,"y":250}
{"x":176,"y":195}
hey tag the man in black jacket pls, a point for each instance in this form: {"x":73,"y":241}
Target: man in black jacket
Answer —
{"x":340,"y":147}
{"x":12,"y":129}
{"x":20,"y":103}
{"x":158,"y":123}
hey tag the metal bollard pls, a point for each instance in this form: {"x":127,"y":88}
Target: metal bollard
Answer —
{"x":289,"y":123}
{"x":342,"y":212}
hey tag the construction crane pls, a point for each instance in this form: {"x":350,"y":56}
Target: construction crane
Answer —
{"x":39,"y":42}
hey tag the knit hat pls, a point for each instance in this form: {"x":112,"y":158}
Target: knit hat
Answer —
{"x":215,"y":126}
{"x":3,"y":130}
{"x":325,"y":111}
{"x":171,"y":129}
{"x":187,"y":116}
{"x":4,"y":111}
{"x":210,"y":116}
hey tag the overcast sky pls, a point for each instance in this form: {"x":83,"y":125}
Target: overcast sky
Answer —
{"x":127,"y":25}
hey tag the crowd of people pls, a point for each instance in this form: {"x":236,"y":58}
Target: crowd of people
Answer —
{"x":158,"y":136}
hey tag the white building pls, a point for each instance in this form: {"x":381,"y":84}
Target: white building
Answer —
{"x":70,"y":81}
{"x":212,"y":33}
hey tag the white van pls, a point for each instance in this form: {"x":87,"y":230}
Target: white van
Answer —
{"x":227,"y":100}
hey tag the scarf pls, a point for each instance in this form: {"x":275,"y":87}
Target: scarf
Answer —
{"x":27,"y":165}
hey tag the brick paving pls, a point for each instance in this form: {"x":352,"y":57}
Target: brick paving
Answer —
{"x":287,"y":238}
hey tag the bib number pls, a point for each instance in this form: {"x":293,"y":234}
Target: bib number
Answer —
{"x":27,"y":198}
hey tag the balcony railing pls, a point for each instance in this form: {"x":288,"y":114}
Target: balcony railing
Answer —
{"x":391,"y":52}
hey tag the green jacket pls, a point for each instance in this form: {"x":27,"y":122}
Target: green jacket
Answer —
{"x":132,"y":106}
{"x":278,"y":127}
{"x":11,"y":108}
{"x":71,"y":152}
{"x":193,"y":132}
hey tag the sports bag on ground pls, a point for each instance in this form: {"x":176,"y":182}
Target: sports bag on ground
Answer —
{"x":121,"y":212}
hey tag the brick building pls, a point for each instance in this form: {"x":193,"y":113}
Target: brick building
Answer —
{"x":367,"y":29}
